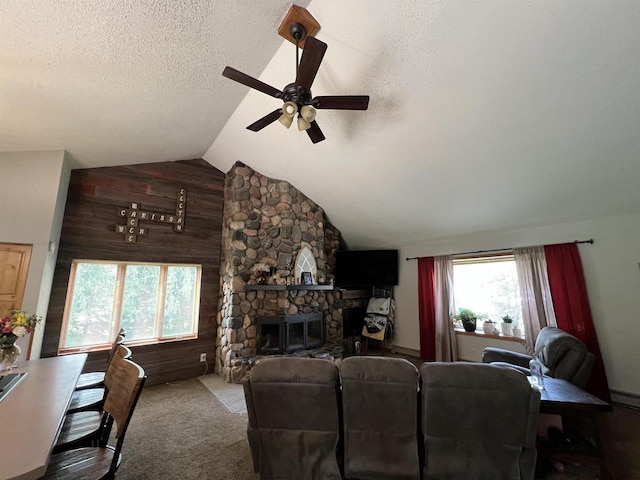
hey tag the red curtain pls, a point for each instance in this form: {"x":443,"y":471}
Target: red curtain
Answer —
{"x":571,"y":305}
{"x":427,"y":309}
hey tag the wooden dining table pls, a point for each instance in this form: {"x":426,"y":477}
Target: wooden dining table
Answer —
{"x":32,"y":413}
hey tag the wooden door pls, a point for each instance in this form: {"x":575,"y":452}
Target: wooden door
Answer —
{"x":14,"y":266}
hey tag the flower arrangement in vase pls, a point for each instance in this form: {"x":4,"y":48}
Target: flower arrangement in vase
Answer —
{"x":16,"y":324}
{"x":260,"y":272}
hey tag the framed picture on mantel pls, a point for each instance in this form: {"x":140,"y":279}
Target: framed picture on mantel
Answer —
{"x":306,"y":279}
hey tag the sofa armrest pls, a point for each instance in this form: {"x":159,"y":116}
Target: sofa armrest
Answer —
{"x":492,"y":354}
{"x":253,"y":434}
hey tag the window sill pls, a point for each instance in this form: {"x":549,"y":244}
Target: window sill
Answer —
{"x":481,"y":334}
{"x":129,"y":343}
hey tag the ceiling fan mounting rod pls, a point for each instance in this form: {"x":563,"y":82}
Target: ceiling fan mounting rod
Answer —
{"x":298,"y":32}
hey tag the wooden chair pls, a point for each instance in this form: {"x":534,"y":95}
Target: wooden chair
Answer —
{"x":103,"y":460}
{"x":84,"y":428}
{"x":93,"y":398}
{"x":96,"y":379}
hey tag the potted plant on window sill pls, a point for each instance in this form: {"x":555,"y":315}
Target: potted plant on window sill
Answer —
{"x":467,"y":318}
{"x":489,"y":327}
{"x":517,"y":331}
{"x":507,"y":326}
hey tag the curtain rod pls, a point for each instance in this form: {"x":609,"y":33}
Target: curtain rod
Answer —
{"x":590,"y":241}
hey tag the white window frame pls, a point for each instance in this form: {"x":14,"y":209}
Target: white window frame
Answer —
{"x":116,"y":313}
{"x":488,"y":258}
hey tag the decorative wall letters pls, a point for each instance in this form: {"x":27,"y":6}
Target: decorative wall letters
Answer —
{"x":134,"y":214}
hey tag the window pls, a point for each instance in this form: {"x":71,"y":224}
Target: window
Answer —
{"x":152,"y":302}
{"x":488,"y":286}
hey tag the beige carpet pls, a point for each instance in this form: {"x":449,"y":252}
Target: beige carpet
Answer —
{"x":182,"y":431}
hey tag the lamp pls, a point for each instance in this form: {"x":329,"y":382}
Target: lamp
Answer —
{"x":306,"y":116}
{"x":289,"y":110}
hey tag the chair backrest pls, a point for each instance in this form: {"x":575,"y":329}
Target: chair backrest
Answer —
{"x":380,"y":418}
{"x":110,"y":373}
{"x":114,"y":346}
{"x":478,"y":421}
{"x":294,"y":404}
{"x":564,"y":356}
{"x":127,"y":381}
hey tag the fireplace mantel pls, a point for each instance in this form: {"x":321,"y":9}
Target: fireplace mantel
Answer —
{"x":249,"y":288}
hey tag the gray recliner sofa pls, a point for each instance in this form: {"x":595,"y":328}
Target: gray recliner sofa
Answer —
{"x":467,"y":421}
{"x":562,"y":356}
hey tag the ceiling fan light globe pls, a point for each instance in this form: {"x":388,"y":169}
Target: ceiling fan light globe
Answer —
{"x":285,"y":120}
{"x":303,"y":124}
{"x":289,"y":109}
{"x":308,"y":113}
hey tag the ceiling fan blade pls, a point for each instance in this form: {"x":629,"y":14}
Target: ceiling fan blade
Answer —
{"x":245,"y":79}
{"x":266,"y":120}
{"x":314,"y":132}
{"x":342,"y":102}
{"x":310,"y":62}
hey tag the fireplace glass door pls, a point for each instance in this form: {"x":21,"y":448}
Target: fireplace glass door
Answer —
{"x":295,"y":333}
{"x":270,"y":335}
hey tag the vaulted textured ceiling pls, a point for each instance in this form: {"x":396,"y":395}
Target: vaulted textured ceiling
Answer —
{"x":483,"y":115}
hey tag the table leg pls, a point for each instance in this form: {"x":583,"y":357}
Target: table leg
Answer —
{"x":604,"y":441}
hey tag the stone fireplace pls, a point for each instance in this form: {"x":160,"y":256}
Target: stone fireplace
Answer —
{"x":267,"y":223}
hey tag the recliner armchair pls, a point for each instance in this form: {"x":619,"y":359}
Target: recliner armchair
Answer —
{"x":562,"y":356}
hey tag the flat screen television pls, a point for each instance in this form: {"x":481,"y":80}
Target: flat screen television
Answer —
{"x":364,"y":268}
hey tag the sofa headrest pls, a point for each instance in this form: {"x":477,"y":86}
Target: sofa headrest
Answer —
{"x":555,"y":346}
{"x":379,"y":369}
{"x":294,"y":370}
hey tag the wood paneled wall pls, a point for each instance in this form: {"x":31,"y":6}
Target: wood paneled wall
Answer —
{"x":95,"y":197}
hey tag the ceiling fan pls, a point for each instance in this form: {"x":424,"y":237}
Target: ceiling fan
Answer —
{"x":297,"y":96}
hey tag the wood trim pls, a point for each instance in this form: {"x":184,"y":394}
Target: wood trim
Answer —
{"x":161,"y":298}
{"x":116,"y":311}
{"x":67,"y":302}
{"x":405,"y":351}
{"x":625,"y":399}
{"x":298,"y":14}
{"x":470,"y":258}
{"x":16,"y":297}
{"x":486,"y":335}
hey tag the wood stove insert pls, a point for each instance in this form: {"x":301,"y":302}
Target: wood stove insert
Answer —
{"x":288,"y":333}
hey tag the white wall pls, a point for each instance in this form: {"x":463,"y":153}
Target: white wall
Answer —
{"x":32,"y":199}
{"x":611,"y":267}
